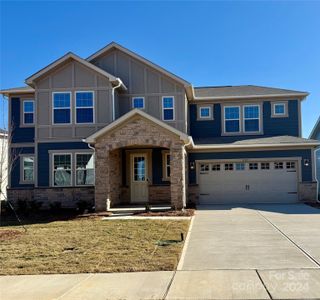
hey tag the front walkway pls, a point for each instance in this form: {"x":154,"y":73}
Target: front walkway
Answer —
{"x":262,"y":252}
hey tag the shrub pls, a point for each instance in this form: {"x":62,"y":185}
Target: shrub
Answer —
{"x":82,"y":206}
{"x":55,"y":206}
{"x":22,"y":206}
{"x":35,"y":206}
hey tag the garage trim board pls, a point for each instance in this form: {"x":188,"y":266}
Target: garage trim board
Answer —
{"x":252,"y":180}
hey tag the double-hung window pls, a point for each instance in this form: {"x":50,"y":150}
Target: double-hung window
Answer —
{"x":84,"y":107}
{"x":62,"y":170}
{"x":168,"y":108}
{"x":84,"y":169}
{"x":232,"y":119}
{"x":27,"y":168}
{"x":61,"y":108}
{"x":28,"y":112}
{"x":251,"y":118}
{"x":138,"y":102}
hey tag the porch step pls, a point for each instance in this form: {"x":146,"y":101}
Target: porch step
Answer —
{"x":130,"y":210}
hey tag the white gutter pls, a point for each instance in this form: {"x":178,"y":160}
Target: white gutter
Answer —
{"x":113,"y":101}
{"x":215,"y":146}
{"x":303,"y":96}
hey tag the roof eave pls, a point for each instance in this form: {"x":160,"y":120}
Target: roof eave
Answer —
{"x":255,"y":146}
{"x":301,"y":96}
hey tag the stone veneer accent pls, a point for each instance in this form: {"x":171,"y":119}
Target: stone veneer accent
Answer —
{"x":68,"y":196}
{"x":307,"y":191}
{"x":159,"y":194}
{"x":136,"y":131}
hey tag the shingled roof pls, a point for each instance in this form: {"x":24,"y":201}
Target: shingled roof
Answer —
{"x":243,"y":91}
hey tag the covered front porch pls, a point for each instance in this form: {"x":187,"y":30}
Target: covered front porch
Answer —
{"x":139,"y":160}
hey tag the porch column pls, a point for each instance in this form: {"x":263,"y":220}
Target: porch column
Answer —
{"x":101,"y":177}
{"x":115,"y":179}
{"x":177,"y":169}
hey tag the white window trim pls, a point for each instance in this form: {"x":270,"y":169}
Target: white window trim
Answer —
{"x":132,"y":102}
{"x":200,"y":117}
{"x":165,"y":176}
{"x":244,"y":118}
{"x":76,"y":107}
{"x":224,"y":120}
{"x":75,"y":169}
{"x":53,"y":108}
{"x":273,"y":109}
{"x":23,"y":112}
{"x":173,"y":108}
{"x":52,"y":168}
{"x":22,"y":179}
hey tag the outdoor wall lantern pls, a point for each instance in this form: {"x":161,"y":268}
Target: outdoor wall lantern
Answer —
{"x":306,"y":162}
{"x":192,"y":165}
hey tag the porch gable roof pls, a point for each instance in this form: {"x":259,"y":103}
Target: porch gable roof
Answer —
{"x":136,"y":112}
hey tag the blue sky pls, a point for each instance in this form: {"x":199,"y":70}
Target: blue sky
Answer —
{"x":207,"y":43}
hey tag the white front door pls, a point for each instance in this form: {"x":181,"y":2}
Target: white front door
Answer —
{"x":139,"y":178}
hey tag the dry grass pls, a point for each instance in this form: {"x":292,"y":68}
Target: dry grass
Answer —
{"x":91,"y":245}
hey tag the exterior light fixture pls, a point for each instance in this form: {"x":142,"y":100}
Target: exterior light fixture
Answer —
{"x":192,"y":165}
{"x":306,"y":162}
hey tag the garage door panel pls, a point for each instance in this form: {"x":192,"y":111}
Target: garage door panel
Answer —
{"x":265,"y":183}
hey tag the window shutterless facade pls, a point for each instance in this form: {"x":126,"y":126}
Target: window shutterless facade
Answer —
{"x":28,"y":112}
{"x":62,"y":169}
{"x":168,"y":113}
{"x":61,"y":104}
{"x":84,"y":169}
{"x":251,"y":118}
{"x":138,"y":102}
{"x":27,"y":169}
{"x":279,"y":109}
{"x":84,"y":107}
{"x":205,"y":112}
{"x":232,"y":119}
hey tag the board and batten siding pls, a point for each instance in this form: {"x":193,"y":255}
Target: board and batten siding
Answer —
{"x":44,"y":157}
{"x":19,"y":133}
{"x":144,"y":81}
{"x":271,"y":126}
{"x":15,"y":180}
{"x":71,"y":77}
{"x":306,"y":171}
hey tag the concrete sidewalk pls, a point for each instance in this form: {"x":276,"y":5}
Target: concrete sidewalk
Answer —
{"x":210,"y":284}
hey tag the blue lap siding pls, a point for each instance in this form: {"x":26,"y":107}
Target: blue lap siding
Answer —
{"x":19,"y":134}
{"x":306,"y":171}
{"x":15,"y":170}
{"x":200,"y":129}
{"x":44,"y":161}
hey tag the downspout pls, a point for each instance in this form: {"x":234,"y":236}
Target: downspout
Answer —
{"x":113,"y":101}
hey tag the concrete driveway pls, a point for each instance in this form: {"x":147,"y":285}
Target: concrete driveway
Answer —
{"x":253,"y":252}
{"x":254,"y":237}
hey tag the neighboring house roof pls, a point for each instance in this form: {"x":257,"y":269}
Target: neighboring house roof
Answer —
{"x":316,"y":130}
{"x":265,"y":142}
{"x":92,"y":138}
{"x":3,"y":133}
{"x":17,"y":90}
{"x":72,"y":56}
{"x":114,"y":45}
{"x":243,"y":91}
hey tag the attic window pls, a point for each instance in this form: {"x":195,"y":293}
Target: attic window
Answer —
{"x":138,"y":102}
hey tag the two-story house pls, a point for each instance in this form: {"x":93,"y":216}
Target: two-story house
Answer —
{"x":116,"y":128}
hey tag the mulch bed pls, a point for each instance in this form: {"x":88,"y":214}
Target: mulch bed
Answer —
{"x":169,"y":213}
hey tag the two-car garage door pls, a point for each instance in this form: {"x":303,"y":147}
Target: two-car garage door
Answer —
{"x":248,"y":182}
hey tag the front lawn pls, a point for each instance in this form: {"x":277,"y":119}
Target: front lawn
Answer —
{"x":91,"y":245}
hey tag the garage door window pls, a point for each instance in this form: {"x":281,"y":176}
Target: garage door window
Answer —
{"x":204,"y":168}
{"x":253,"y":166}
{"x":265,"y":166}
{"x":228,"y":167}
{"x":240,"y":166}
{"x":215,"y":167}
{"x":278,"y":165}
{"x":291,"y":165}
